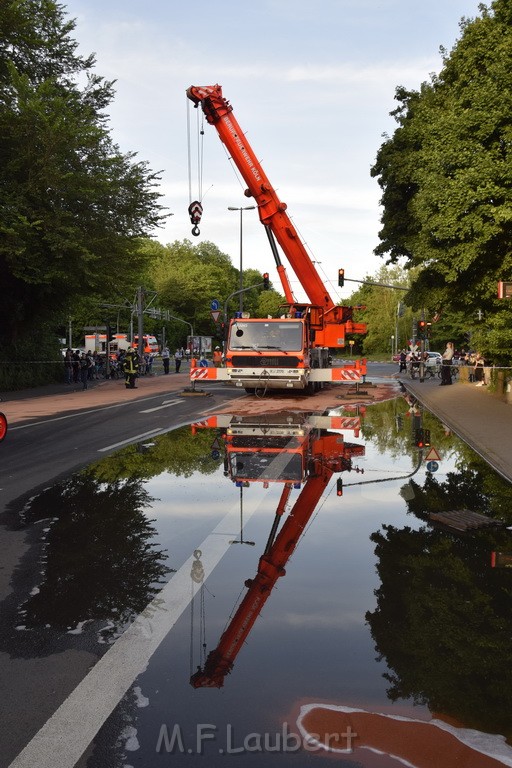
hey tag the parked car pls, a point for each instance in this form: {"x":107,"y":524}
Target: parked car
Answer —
{"x":434,"y":358}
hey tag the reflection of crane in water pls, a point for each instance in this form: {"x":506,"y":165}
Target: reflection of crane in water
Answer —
{"x":257,"y":451}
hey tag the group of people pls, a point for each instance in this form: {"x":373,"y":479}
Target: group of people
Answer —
{"x":473,"y":359}
{"x":449,"y":357}
{"x":84,"y":366}
{"x":81,"y":367}
{"x":178,"y":358}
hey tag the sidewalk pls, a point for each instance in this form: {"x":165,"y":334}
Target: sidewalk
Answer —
{"x":482,"y":421}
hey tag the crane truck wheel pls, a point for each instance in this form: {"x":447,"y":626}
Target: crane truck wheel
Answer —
{"x":250,"y":390}
{"x":3,"y":427}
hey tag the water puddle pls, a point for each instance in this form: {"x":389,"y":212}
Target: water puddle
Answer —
{"x":289,"y":587}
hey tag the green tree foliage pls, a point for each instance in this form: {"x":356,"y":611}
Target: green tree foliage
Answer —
{"x":72,"y":206}
{"x":381,"y":312}
{"x":446,"y":173}
{"x":187,"y":278}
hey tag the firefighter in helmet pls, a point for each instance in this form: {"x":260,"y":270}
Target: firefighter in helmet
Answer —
{"x":130,"y":368}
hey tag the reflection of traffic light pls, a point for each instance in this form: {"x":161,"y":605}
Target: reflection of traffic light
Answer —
{"x":422,"y":329}
{"x":266,"y":283}
{"x":339,"y":486}
{"x":422,"y":438}
{"x":341,"y":277}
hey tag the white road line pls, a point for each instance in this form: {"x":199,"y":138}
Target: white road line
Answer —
{"x":165,"y":404}
{"x":133,"y":439}
{"x":66,"y":735}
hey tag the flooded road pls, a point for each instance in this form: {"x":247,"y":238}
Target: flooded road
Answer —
{"x":279,"y":589}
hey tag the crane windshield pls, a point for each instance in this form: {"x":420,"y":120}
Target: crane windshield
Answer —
{"x":274,"y":334}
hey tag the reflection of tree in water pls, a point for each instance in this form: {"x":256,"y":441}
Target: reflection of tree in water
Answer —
{"x":475,"y":486}
{"x":179,"y":452}
{"x":100,"y":561}
{"x":442,"y":620}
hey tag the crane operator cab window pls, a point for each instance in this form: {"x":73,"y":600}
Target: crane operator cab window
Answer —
{"x":275,"y":334}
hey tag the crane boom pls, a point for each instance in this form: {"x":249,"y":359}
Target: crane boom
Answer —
{"x":272,"y":211}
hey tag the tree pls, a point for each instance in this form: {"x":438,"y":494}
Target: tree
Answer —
{"x":446,"y":172}
{"x":72,"y":206}
{"x":381,"y":309}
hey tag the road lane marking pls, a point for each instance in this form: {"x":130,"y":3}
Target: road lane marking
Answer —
{"x":80,"y":412}
{"x":70,"y":730}
{"x":134,"y":439}
{"x":165,"y":404}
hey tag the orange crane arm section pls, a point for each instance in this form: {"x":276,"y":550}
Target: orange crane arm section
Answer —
{"x":272,"y":210}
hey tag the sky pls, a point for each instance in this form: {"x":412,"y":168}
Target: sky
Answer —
{"x":312,"y":86}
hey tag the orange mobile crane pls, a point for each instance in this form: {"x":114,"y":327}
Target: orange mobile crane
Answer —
{"x":292,"y":351}
{"x":323,"y":455}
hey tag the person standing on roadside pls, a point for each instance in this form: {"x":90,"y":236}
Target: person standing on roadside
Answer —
{"x":68,"y":364}
{"x":84,"y":369}
{"x":217,"y":357}
{"x":165,"y":358}
{"x":446,"y":368}
{"x":177,"y":360}
{"x":76,"y":366}
{"x":479,"y":370}
{"x":130,"y":368}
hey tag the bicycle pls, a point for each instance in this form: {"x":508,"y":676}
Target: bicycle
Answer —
{"x":429,"y":371}
{"x":454,"y":371}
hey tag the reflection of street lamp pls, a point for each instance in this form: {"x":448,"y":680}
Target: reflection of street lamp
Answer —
{"x":242,"y":540}
{"x":247,"y":208}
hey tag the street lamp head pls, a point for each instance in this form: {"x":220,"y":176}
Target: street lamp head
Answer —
{"x":246,"y":208}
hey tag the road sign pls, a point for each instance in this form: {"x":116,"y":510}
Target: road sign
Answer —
{"x":432,"y":455}
{"x":432,"y":466}
{"x":214,"y":304}
{"x":215,"y":315}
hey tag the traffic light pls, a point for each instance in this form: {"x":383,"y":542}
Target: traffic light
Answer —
{"x":422,"y":438}
{"x":429,"y":330}
{"x":339,"y":486}
{"x":341,"y":277}
{"x":422,"y":329}
{"x":266,"y":282}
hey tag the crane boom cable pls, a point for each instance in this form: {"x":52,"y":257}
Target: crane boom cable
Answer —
{"x":199,"y":153}
{"x":189,"y":159}
{"x":200,"y":148}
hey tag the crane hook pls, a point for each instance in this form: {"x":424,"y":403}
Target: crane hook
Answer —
{"x":195,"y":211}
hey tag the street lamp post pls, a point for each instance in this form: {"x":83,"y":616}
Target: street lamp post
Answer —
{"x":247,"y":208}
